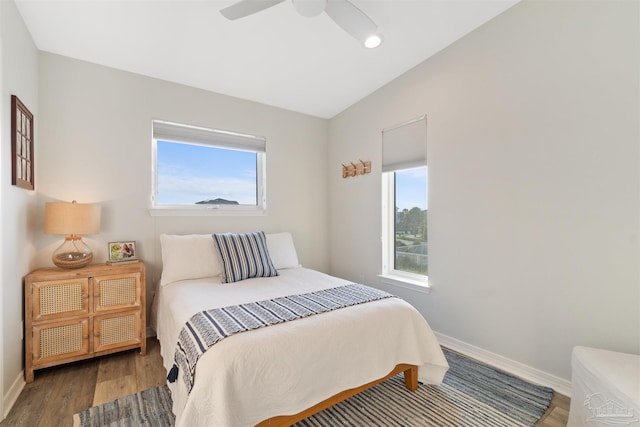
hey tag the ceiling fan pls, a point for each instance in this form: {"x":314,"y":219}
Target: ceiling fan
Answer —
{"x":343,"y":12}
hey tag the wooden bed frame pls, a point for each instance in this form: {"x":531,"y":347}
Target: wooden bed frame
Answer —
{"x":410,"y":381}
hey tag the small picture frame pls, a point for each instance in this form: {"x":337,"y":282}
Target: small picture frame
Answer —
{"x":122,"y":251}
{"x":22,"y":169}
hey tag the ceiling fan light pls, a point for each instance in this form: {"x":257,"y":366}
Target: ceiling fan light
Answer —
{"x":373,"y":41}
{"x":310,"y":8}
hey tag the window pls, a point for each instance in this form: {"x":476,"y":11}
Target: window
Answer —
{"x":405,"y":255}
{"x":410,"y":221}
{"x":205,"y":170}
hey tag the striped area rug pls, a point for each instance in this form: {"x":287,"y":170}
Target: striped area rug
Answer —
{"x":472,"y":394}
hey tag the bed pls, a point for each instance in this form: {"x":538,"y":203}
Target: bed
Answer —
{"x":279,"y":374}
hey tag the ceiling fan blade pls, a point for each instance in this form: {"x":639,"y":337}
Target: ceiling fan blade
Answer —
{"x":247,"y":7}
{"x":351,"y":19}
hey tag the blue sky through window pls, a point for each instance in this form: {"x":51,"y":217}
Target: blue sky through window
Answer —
{"x":189,"y":173}
{"x":411,"y":188}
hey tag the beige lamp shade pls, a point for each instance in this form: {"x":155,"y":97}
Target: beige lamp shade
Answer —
{"x":71,"y":218}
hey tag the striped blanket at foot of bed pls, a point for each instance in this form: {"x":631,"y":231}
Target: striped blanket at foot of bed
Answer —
{"x":209,"y":327}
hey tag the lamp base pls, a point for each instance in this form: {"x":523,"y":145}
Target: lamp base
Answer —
{"x":73,"y":253}
{"x":72,"y":260}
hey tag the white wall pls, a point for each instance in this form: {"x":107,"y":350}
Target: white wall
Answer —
{"x":534,"y":210}
{"x":19,"y":77}
{"x":95,"y":146}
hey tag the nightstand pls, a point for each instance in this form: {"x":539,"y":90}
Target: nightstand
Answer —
{"x":78,"y":314}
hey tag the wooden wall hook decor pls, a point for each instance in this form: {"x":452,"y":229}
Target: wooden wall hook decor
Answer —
{"x":355,"y":169}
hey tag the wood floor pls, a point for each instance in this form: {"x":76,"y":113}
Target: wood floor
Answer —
{"x":59,"y":392}
{"x":558,"y":413}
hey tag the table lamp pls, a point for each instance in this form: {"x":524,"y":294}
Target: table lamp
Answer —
{"x":72,"y":219}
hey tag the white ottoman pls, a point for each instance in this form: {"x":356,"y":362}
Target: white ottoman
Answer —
{"x":605,"y":388}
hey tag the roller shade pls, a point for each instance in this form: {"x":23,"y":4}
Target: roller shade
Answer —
{"x":405,"y":146}
{"x":168,"y":131}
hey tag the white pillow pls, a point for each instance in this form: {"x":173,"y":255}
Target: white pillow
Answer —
{"x":282,"y":251}
{"x":191,"y":256}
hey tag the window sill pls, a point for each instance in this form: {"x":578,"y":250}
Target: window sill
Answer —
{"x":404,"y":282}
{"x":206,"y":212}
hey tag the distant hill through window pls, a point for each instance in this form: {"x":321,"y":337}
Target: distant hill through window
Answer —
{"x":217,"y":202}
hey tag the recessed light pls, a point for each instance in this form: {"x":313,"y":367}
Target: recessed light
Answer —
{"x":373,"y":41}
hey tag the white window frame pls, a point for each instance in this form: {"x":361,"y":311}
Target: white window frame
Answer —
{"x":389,"y":273}
{"x":403,"y":147}
{"x":196,"y":135}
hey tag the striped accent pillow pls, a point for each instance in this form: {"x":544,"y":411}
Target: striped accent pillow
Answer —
{"x":244,"y":255}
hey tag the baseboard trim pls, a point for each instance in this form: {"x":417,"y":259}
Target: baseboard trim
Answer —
{"x":518,"y":369}
{"x":12,"y":395}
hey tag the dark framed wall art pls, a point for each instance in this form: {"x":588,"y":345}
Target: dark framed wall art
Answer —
{"x":21,"y":145}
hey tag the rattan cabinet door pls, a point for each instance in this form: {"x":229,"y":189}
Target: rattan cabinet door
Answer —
{"x":55,"y":299}
{"x":56,"y":341}
{"x":116,"y":330}
{"x":116,"y":292}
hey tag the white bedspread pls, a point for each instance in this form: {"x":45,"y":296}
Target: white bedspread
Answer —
{"x":286,"y":368}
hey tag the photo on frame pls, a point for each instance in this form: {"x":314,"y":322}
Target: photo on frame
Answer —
{"x":122,"y":251}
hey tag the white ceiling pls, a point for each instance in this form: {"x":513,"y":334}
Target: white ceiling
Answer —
{"x":275,"y":57}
